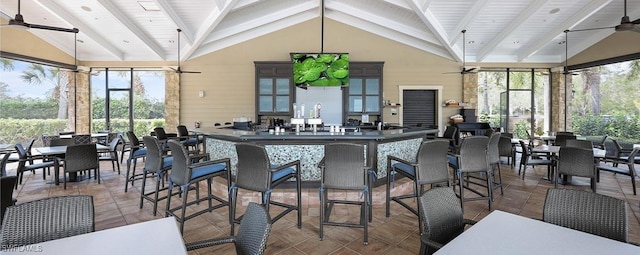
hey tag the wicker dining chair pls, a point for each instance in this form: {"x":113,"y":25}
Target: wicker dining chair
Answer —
{"x":343,"y":168}
{"x":6,"y":197}
{"x":47,"y":219}
{"x":585,"y":144}
{"x":112,"y":154}
{"x":529,"y":159}
{"x":252,"y":235}
{"x":442,"y":218}
{"x":621,"y":166}
{"x":429,"y":167}
{"x":185,"y":172}
{"x":588,"y":212}
{"x":574,"y":161}
{"x":80,"y":157}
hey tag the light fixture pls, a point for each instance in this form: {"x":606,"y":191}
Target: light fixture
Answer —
{"x":554,"y":10}
{"x":201,"y":93}
{"x":85,"y":8}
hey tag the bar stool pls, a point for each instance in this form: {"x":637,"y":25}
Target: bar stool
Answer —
{"x":256,"y":173}
{"x":156,"y":165}
{"x":473,"y":159}
{"x":186,"y":171}
{"x":429,"y":167}
{"x":343,"y":168}
{"x":136,"y":151}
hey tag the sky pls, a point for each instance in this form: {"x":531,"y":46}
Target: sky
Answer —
{"x":17,"y":87}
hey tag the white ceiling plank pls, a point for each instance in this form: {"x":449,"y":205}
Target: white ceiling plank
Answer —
{"x":221,"y":41}
{"x":521,"y":18}
{"x":258,"y":21}
{"x":552,"y":33}
{"x":433,"y":25}
{"x":63,"y":14}
{"x":382,"y":21}
{"x":208,"y":25}
{"x":243,"y":3}
{"x":475,"y":10}
{"x":400,"y":3}
{"x":167,"y":9}
{"x":118,"y":14}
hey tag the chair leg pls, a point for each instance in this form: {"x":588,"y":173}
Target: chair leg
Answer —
{"x":299,"y":195}
{"x":365,"y":219}
{"x":490,"y":188}
{"x":144,"y":182}
{"x":155,"y":200}
{"x":388,"y":194}
{"x":323,"y":200}
{"x":185,"y":192}
{"x":233,"y":193}
{"x":459,"y":174}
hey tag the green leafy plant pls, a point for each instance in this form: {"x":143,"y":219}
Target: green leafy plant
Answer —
{"x":321,"y":69}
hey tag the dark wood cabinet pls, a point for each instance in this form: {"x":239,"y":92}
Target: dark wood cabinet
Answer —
{"x":274,"y":90}
{"x":364,"y":93}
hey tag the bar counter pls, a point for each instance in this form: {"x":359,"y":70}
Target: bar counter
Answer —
{"x":308,"y":147}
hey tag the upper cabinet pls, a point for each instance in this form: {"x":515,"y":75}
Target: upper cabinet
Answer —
{"x":274,"y":89}
{"x":364,"y":94}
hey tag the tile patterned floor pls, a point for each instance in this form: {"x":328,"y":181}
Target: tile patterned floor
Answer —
{"x":397,"y":234}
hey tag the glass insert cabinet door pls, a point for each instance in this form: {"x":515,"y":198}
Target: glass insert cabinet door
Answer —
{"x":274,"y":95}
{"x":364,"y":95}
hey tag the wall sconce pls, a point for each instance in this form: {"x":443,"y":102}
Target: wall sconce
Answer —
{"x":201,"y":93}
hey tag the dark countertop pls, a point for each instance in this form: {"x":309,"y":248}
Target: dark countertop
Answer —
{"x":235,"y":134}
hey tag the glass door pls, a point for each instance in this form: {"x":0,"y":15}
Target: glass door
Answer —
{"x":119,"y":112}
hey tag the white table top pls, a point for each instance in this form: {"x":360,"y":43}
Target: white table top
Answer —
{"x":55,"y":150}
{"x":505,"y":233}
{"x":151,"y":237}
{"x":598,"y":153}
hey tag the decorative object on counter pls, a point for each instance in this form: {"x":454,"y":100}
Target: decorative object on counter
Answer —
{"x":457,"y":118}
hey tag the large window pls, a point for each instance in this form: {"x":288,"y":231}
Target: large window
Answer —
{"x":33,"y":99}
{"x":605,"y":99}
{"x":127,"y":99}
{"x":515,"y":100}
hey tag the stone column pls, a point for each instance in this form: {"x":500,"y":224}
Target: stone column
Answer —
{"x":558,"y":101}
{"x":79,"y":107}
{"x":171,"y":100}
{"x":470,"y":90}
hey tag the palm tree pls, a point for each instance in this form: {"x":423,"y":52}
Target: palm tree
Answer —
{"x":38,"y":74}
{"x":7,"y":64}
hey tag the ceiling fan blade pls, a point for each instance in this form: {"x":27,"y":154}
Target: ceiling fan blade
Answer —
{"x":60,"y":29}
{"x":189,"y":72}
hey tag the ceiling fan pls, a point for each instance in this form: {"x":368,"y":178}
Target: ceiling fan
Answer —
{"x":18,"y":21}
{"x":626,"y":24}
{"x":179,"y":70}
{"x":464,"y":51}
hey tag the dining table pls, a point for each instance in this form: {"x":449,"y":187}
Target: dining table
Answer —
{"x":155,"y":237}
{"x":505,"y":233}
{"x":56,"y":153}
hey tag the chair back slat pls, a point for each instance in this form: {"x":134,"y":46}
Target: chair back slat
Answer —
{"x":433,"y":166}
{"x":344,"y":166}
{"x":588,"y":212}
{"x":253,"y":167}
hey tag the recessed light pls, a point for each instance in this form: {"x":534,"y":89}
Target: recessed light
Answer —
{"x":85,"y":8}
{"x":172,"y":41}
{"x":516,"y":42}
{"x":554,"y":10}
{"x":79,"y":40}
{"x":471,"y":42}
{"x":562,"y":42}
{"x":125,"y":41}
